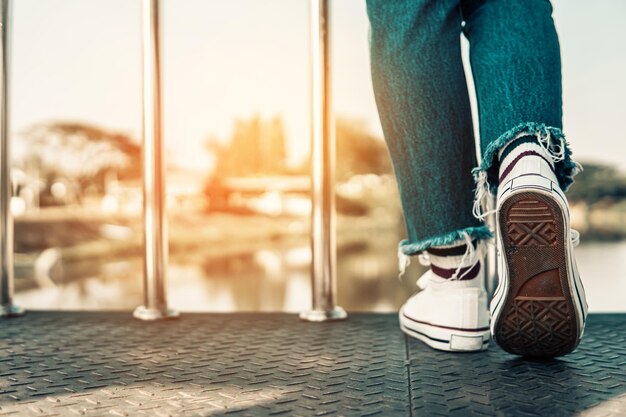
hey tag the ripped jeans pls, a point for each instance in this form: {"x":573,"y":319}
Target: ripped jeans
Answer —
{"x":423,"y":102}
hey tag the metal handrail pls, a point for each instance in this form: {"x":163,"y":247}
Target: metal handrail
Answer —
{"x":491,"y":264}
{"x":323,"y":243}
{"x":7,"y":308}
{"x":155,"y":240}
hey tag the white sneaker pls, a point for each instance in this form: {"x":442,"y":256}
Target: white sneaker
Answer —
{"x":448,"y":314}
{"x":539,"y":307}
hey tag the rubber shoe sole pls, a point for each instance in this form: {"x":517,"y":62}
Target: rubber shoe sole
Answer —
{"x":538,"y":314}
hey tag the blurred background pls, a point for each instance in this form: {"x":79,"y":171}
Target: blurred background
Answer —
{"x":236,"y":119}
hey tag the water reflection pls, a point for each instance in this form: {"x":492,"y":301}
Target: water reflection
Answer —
{"x":269,"y":279}
{"x":276,"y":278}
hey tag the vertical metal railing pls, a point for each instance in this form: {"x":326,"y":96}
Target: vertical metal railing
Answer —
{"x":7,"y":308}
{"x":155,"y":224}
{"x":491,"y":261}
{"x":323,"y":246}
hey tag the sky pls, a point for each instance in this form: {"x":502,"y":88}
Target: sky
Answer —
{"x":222,"y":60}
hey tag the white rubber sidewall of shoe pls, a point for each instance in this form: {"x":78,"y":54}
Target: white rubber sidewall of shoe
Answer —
{"x":447,"y":339}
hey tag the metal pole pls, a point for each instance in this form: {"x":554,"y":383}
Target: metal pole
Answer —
{"x":323,"y":246}
{"x":155,"y":226}
{"x":491,"y":257}
{"x":7,"y":308}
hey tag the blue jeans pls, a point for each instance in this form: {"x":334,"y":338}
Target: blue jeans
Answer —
{"x":423,"y":103}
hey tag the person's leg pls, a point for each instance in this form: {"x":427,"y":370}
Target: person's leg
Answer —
{"x":516,"y":66}
{"x":539,"y":307}
{"x":423,"y":102}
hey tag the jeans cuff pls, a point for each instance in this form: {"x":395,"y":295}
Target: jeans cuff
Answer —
{"x":550,"y":138}
{"x":406,"y":248}
{"x":413,"y":248}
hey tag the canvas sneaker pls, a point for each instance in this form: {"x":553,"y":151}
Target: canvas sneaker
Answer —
{"x":539,"y":306}
{"x":449,"y":314}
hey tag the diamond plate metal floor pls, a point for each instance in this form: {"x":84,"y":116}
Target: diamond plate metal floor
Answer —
{"x":94,"y":364}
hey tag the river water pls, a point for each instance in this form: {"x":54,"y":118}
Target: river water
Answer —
{"x":277,"y":279}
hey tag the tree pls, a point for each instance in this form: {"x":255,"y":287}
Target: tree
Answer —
{"x":256,"y":147}
{"x":80,"y":152}
{"x":598,"y":182}
{"x":359,"y":151}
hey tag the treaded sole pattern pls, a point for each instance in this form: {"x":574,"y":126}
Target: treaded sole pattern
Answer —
{"x":538,"y":317}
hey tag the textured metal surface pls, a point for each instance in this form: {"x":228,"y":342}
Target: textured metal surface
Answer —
{"x":98,"y":364}
{"x":591,"y":381}
{"x":202,"y":364}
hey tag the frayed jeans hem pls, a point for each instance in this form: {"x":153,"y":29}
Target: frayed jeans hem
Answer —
{"x":550,"y":138}
{"x":414,"y":248}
